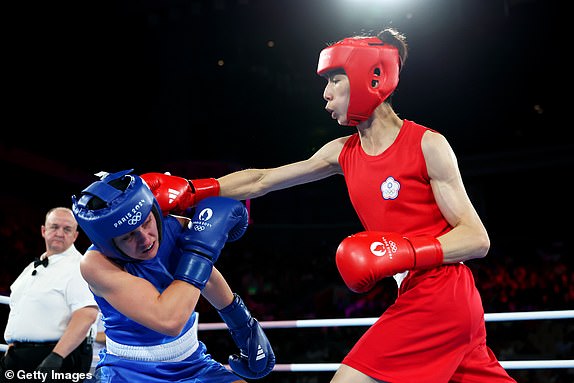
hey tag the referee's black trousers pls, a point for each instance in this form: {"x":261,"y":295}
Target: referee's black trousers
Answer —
{"x":26,"y":356}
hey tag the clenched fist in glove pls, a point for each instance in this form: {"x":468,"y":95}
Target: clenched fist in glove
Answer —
{"x":176,"y":194}
{"x":256,"y":358}
{"x":217,"y":220}
{"x":363,"y":259}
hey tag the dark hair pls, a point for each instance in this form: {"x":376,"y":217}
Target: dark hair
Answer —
{"x":393,"y":37}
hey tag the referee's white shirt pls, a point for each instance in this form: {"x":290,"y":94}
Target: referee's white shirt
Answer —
{"x":41,"y":305}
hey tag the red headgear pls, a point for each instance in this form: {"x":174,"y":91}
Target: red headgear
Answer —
{"x":372,"y":68}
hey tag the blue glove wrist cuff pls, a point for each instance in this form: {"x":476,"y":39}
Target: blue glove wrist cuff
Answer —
{"x":201,"y":250}
{"x":235,"y":315}
{"x":194,"y":268}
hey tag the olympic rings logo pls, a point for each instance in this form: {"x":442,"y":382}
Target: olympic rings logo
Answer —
{"x":135,"y":219}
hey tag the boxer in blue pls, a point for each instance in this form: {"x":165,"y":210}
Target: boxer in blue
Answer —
{"x":147,"y":271}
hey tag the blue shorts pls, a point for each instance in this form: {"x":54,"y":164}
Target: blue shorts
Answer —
{"x":198,"y":368}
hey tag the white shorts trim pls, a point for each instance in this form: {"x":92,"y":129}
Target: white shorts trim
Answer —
{"x":174,"y":351}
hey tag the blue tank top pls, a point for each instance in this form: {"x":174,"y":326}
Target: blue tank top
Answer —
{"x":159,"y":272}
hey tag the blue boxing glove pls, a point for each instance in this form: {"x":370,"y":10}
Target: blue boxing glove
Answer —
{"x":216,"y":220}
{"x":256,"y":358}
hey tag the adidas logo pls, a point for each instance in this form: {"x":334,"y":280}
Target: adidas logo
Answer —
{"x":172,"y":194}
{"x":260,"y":353}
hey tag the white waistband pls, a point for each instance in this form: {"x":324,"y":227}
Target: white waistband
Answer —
{"x":174,"y":351}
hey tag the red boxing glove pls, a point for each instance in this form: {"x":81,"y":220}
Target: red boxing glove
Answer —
{"x":176,"y":194}
{"x":363,"y":259}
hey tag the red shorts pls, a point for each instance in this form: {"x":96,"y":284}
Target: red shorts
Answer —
{"x":433,"y":333}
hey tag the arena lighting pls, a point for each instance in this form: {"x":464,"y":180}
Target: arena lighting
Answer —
{"x":389,"y":3}
{"x":361,"y":16}
{"x":373,"y":2}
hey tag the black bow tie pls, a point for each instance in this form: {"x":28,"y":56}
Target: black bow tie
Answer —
{"x":38,"y":262}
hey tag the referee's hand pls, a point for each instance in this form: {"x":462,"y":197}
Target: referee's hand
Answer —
{"x":53,"y":362}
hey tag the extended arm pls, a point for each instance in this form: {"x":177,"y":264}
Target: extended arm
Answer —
{"x":175,"y":194}
{"x":252,"y":183}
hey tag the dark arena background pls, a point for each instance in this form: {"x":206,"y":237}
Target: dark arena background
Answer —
{"x":203,"y":88}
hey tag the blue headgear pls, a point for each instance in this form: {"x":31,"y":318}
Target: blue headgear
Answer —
{"x":122,"y":211}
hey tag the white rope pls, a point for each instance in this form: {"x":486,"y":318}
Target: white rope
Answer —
{"x":495,"y":317}
{"x":531,"y":364}
{"x":508,"y":365}
{"x":529,"y":315}
{"x":308,"y":367}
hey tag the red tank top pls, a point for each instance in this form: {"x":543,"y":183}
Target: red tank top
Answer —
{"x":391,"y":191}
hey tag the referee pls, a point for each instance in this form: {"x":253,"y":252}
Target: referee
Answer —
{"x":52,"y":311}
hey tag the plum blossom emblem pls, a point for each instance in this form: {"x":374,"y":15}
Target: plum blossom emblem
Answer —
{"x":390,"y":188}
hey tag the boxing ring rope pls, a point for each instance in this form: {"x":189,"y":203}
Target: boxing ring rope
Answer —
{"x":489,"y":317}
{"x":507,"y":365}
{"x":305,"y":323}
{"x":343,"y":322}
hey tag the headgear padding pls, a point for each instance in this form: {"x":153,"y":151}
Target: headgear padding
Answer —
{"x":121,"y":211}
{"x":372,"y":68}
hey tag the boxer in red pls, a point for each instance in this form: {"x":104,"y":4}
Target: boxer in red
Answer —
{"x":420,"y":225}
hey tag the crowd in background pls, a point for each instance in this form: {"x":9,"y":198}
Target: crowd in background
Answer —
{"x":289,"y":273}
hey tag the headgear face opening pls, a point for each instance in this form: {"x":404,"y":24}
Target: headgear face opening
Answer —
{"x":372,"y":68}
{"x":121,"y":211}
